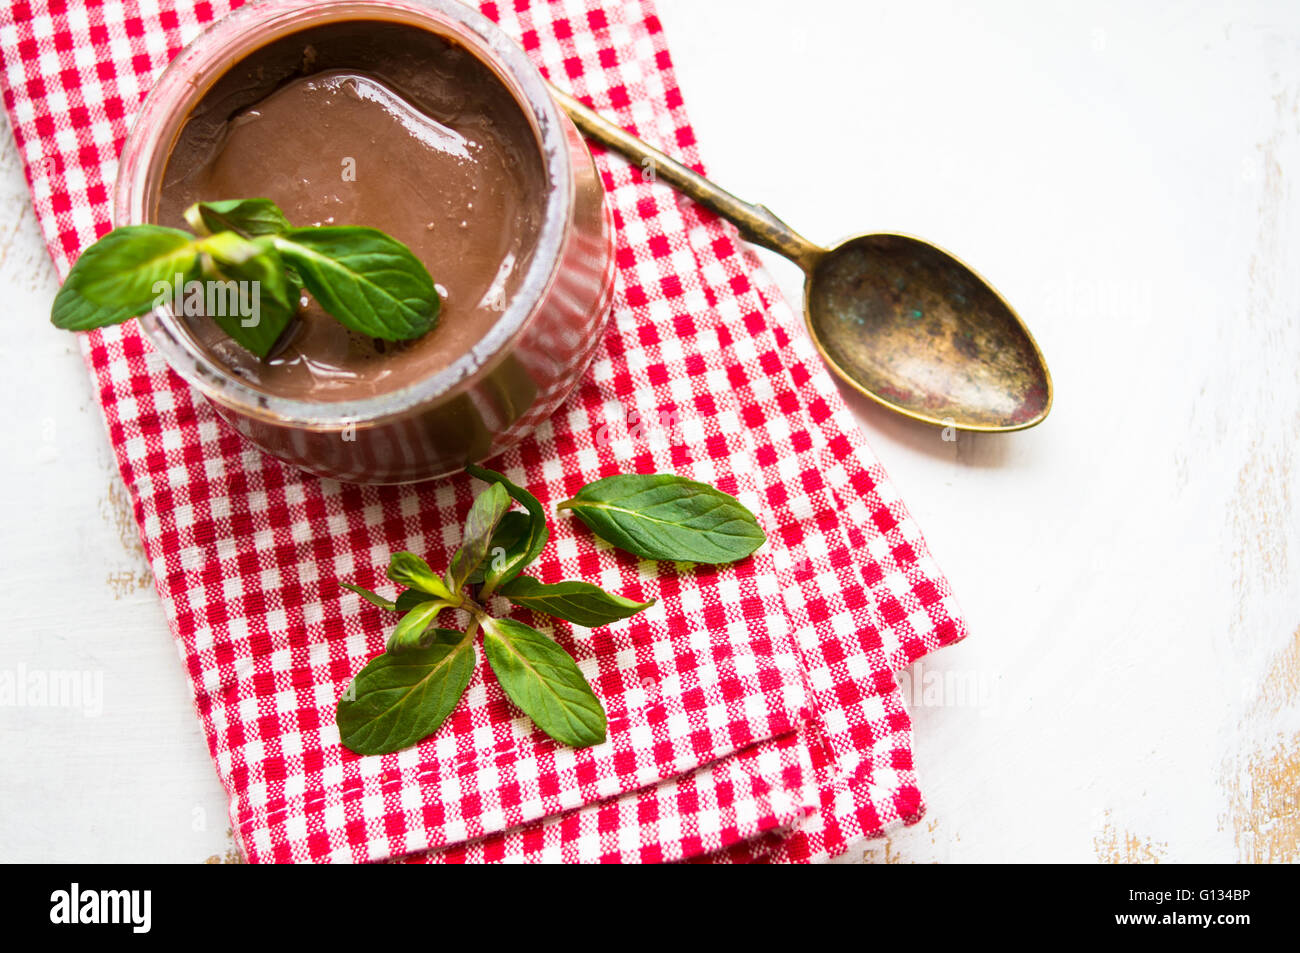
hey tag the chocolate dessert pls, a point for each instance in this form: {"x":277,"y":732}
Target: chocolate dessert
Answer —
{"x":378,"y":124}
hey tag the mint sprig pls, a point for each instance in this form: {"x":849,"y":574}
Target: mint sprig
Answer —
{"x":402,"y":695}
{"x":406,"y":693}
{"x":248,"y":265}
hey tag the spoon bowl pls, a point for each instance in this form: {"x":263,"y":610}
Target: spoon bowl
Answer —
{"x":915,"y":329}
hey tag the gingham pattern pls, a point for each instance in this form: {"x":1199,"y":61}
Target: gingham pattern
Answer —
{"x":753,"y":713}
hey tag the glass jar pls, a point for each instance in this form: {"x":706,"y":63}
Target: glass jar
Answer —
{"x":487,"y":399}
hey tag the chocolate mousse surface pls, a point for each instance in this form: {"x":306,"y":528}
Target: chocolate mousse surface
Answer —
{"x":379,"y":124}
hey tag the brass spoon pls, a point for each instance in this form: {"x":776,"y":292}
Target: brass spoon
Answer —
{"x":901,"y":320}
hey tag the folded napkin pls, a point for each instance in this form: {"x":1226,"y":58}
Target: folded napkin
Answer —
{"x":753,"y":712}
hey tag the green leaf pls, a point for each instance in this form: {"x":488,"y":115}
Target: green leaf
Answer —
{"x":489,"y":506}
{"x":543,"y":680}
{"x":400,"y":698}
{"x":508,"y":544}
{"x":373,"y":598}
{"x":246,"y":285}
{"x":122,"y":275}
{"x":370,"y":282}
{"x":410,"y":598}
{"x":573,"y":601}
{"x":247,"y":217}
{"x":517,"y":556}
{"x":662,"y":516}
{"x":413,"y":631}
{"x":408,"y":569}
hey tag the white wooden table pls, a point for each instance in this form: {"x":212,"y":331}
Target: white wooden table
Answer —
{"x":1130,"y":570}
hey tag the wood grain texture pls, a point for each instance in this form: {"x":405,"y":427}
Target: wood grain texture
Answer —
{"x":1125,"y":175}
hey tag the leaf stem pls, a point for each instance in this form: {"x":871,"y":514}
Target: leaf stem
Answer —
{"x":477,"y":611}
{"x":470,"y":631}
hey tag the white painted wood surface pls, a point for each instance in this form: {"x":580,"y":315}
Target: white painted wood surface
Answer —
{"x":1130,"y":570}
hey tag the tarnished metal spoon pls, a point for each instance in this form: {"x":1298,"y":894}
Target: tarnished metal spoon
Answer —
{"x":901,"y":320}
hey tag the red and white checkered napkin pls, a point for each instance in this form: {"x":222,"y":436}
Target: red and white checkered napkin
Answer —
{"x":753,"y":712}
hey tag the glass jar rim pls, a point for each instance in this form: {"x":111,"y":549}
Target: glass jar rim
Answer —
{"x":175,"y":94}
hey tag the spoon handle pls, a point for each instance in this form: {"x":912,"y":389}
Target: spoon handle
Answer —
{"x":755,"y":222}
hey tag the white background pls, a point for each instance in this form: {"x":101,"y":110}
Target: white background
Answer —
{"x":1130,"y":569}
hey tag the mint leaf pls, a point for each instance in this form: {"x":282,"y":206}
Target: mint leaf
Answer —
{"x":574,"y":601}
{"x":246,"y":217}
{"x":486,"y":512}
{"x":508,"y":544}
{"x":407,"y":600}
{"x":245,"y":281}
{"x":121,"y":276}
{"x":519,"y":555}
{"x":370,"y":282}
{"x":410,"y":598}
{"x":408,"y":569}
{"x":543,"y":680}
{"x":373,"y":598}
{"x":400,"y":698}
{"x":413,"y":631}
{"x":661,"y":516}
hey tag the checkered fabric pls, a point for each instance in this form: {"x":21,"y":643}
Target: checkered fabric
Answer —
{"x":753,"y":712}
